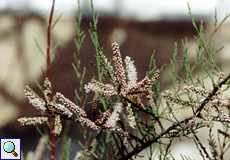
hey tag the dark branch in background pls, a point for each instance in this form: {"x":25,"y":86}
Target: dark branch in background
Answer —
{"x":48,"y":74}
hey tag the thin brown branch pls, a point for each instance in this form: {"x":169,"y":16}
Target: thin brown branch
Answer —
{"x":48,"y":59}
{"x":201,"y":145}
{"x":147,"y":111}
{"x":150,"y":142}
{"x":118,"y":147}
{"x":137,"y":138}
{"x":225,"y":134}
{"x":48,"y":74}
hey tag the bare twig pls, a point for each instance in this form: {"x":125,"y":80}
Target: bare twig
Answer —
{"x":48,"y":60}
{"x":200,"y":144}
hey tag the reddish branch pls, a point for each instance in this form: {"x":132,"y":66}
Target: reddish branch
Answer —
{"x":48,"y":74}
{"x":48,"y":61}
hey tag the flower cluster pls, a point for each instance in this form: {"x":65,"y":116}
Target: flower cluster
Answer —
{"x":214,"y":107}
{"x":168,"y":96}
{"x":33,"y":120}
{"x":197,"y":90}
{"x":114,"y":117}
{"x":56,"y":108}
{"x":219,"y":103}
{"x":107,"y":119}
{"x":131,"y":118}
{"x":125,"y":85}
{"x":126,"y":79}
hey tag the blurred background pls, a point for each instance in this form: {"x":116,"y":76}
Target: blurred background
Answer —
{"x":140,"y":25}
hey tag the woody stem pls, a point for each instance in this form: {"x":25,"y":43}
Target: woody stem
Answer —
{"x":48,"y":74}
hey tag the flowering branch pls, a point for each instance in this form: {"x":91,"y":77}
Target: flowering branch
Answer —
{"x":57,"y":108}
{"x":125,"y":98}
{"x":210,"y":97}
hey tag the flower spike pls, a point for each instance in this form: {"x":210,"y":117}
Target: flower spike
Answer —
{"x":57,"y":108}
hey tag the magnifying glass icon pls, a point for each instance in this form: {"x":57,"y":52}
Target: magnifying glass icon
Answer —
{"x":9,"y":147}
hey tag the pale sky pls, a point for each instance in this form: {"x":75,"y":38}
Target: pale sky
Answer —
{"x":137,"y":9}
